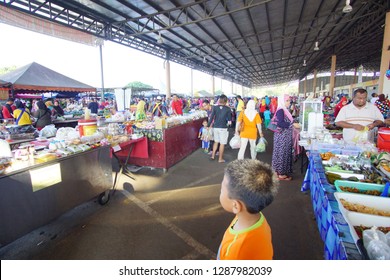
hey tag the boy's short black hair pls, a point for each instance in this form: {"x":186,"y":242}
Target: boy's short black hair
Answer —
{"x":253,"y":182}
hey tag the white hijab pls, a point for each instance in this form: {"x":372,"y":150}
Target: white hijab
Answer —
{"x":250,"y":111}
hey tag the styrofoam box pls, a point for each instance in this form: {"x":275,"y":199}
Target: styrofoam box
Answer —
{"x":377,"y":202}
{"x":357,"y":219}
{"x":358,"y":185}
{"x":361,"y":219}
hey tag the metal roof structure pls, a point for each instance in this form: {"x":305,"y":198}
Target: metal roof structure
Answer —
{"x":251,"y":42}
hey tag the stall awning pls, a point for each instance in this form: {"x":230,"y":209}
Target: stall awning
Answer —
{"x":38,"y":78}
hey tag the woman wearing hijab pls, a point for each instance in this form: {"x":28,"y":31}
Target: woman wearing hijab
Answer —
{"x":43,"y":115}
{"x":282,"y":156}
{"x":57,"y":110}
{"x":252,"y":123}
{"x":343,"y":101}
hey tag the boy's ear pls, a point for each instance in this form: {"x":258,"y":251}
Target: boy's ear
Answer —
{"x":238,"y":206}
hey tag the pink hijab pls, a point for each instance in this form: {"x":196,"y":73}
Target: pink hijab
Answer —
{"x":282,"y":105}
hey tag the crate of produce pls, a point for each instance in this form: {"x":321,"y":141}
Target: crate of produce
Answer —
{"x":359,"y":187}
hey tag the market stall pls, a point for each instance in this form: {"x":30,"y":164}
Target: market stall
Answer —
{"x":168,"y":146}
{"x":35,"y":191}
{"x":354,"y":176}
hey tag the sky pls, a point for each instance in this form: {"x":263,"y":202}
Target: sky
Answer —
{"x":121,"y":64}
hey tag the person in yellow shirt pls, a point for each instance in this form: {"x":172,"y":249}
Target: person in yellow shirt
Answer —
{"x":140,"y":112}
{"x":240,"y":106}
{"x":22,"y":114}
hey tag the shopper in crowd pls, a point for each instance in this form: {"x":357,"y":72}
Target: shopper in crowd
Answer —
{"x":273,"y":106}
{"x":282,"y":156}
{"x":248,"y":186}
{"x":206,"y":106}
{"x":49,"y":105}
{"x":267,"y":117}
{"x":57,"y":109}
{"x":22,"y":114}
{"x":42,"y":115}
{"x":1,"y":112}
{"x":250,"y":122}
{"x":220,"y":119}
{"x":204,"y":135}
{"x":343,"y":101}
{"x":359,"y":118}
{"x":262,"y":107}
{"x":176,"y":105}
{"x":240,"y":105}
{"x":140,"y":111}
{"x":8,"y":109}
{"x":383,"y":105}
{"x":93,"y":106}
{"x":158,"y":109}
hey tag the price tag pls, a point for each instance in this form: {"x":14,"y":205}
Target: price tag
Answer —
{"x":116,"y":148}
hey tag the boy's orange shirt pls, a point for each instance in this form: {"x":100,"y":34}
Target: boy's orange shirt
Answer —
{"x":253,"y":243}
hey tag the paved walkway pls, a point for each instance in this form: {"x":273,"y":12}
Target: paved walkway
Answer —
{"x":169,"y":216}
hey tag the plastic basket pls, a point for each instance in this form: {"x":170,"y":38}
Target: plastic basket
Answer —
{"x":360,"y":186}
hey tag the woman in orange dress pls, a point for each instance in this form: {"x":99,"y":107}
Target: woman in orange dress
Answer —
{"x":252,"y":123}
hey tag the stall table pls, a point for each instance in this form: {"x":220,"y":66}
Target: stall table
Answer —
{"x":36,"y":194}
{"x":178,"y":142}
{"x":333,"y":228}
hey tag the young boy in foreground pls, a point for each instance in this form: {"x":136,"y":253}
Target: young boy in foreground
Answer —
{"x":248,"y":186}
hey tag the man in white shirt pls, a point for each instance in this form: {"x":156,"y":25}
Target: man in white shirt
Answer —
{"x":359,"y":116}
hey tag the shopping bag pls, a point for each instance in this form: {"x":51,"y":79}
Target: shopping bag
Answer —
{"x":261,"y":144}
{"x":235,"y":142}
{"x":273,"y":126}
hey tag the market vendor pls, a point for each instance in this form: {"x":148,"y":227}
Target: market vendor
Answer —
{"x":359,"y":118}
{"x":22,"y":114}
{"x":158,"y":109}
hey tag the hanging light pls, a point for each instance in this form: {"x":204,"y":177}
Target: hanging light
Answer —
{"x":204,"y":59}
{"x":304,"y":62}
{"x":224,"y":70}
{"x":316,"y":48}
{"x":160,"y":39}
{"x":348,"y":8}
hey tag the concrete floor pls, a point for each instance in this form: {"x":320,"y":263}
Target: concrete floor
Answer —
{"x":170,"y":216}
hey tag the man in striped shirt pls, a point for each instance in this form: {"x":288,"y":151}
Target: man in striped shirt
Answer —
{"x":358,"y":117}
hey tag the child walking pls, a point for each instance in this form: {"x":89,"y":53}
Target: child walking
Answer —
{"x":267,"y":117}
{"x":204,"y":135}
{"x":248,"y":186}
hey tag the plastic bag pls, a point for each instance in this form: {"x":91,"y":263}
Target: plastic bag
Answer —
{"x":261,"y":144}
{"x":361,"y":136}
{"x":375,"y":243}
{"x":48,"y":131}
{"x":235,"y":142}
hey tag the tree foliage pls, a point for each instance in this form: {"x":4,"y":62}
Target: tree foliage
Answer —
{"x":137,"y":84}
{"x":6,"y":69}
